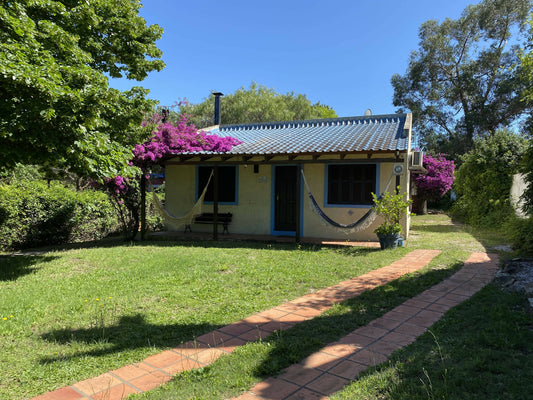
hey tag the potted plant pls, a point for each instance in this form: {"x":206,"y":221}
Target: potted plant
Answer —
{"x":391,"y":207}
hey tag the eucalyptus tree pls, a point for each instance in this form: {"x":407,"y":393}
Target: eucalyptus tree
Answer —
{"x":464,"y":79}
{"x":526,"y":57}
{"x":258,"y":103}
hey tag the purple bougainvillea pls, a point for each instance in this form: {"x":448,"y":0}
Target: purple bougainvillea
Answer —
{"x":439,"y":178}
{"x":172,"y":139}
{"x":166,"y":141}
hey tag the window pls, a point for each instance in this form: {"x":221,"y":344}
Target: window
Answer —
{"x":227,"y":184}
{"x":351,"y":184}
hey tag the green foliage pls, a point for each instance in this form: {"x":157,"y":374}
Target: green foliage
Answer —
{"x":29,"y":173}
{"x":37,"y":213}
{"x":483,"y":182}
{"x":21,"y":172}
{"x":256,"y":104}
{"x":527,"y":169}
{"x":55,"y":105}
{"x":520,"y":233}
{"x":391,"y":207}
{"x":526,"y":59}
{"x":463,"y":81}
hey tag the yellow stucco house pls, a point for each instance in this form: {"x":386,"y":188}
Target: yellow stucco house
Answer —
{"x":261,"y":181}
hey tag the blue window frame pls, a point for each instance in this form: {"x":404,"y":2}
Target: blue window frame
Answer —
{"x":227,"y":184}
{"x":350,"y":184}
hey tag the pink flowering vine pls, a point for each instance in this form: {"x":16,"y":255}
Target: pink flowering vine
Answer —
{"x":439,"y":178}
{"x":168,"y":140}
{"x":172,"y":139}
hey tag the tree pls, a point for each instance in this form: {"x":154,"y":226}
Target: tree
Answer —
{"x":526,"y":59}
{"x":256,"y":104}
{"x":55,"y":105}
{"x":464,"y":79}
{"x":435,"y":183}
{"x":522,"y":229}
{"x":483,"y":181}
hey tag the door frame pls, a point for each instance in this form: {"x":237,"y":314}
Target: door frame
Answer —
{"x":273,"y":231}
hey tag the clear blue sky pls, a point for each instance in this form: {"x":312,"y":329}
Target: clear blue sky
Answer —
{"x":342,"y":53}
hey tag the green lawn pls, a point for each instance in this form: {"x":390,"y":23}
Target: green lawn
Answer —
{"x":70,"y":315}
{"x":74,"y":314}
{"x":481,"y":349}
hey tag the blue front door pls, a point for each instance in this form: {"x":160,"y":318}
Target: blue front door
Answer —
{"x":285,"y":197}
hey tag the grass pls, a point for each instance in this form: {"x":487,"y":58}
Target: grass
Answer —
{"x":86,"y":311}
{"x":234,"y":374}
{"x":231,"y":375}
{"x":480,"y":350}
{"x":83,"y":312}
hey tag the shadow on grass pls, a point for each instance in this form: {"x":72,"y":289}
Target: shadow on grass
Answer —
{"x":293,"y":345}
{"x":445,"y":228}
{"x":131,"y":332}
{"x":480,"y":350}
{"x":448,"y":230}
{"x":203,"y":243}
{"x":15,"y":266}
{"x":355,"y":251}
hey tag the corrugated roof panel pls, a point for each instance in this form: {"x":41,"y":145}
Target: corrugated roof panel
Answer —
{"x":350,"y":134}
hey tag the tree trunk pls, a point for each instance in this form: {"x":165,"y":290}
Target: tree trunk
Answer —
{"x":143,"y":205}
{"x":420,"y":205}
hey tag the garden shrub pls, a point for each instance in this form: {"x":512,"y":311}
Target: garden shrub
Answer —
{"x":520,"y":233}
{"x":21,"y":172}
{"x":483,"y":181}
{"x":520,"y":230}
{"x":526,"y":168}
{"x":38,"y":213}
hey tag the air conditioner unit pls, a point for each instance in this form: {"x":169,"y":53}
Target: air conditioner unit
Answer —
{"x":397,"y":169}
{"x":417,"y":160}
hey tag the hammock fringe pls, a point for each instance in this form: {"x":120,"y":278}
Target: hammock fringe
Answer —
{"x":361,"y":224}
{"x":187,"y":219}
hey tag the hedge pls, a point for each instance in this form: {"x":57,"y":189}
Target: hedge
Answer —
{"x":483,"y":182}
{"x":520,"y":233}
{"x":38,"y":213}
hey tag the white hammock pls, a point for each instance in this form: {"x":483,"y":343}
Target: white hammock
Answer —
{"x":187,"y":219}
{"x":361,"y":224}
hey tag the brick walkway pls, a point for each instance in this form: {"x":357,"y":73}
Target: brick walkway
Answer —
{"x":318,"y":375}
{"x":333,"y":367}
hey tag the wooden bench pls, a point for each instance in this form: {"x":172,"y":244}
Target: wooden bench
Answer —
{"x":209,"y":218}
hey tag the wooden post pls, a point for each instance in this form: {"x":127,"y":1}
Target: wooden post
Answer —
{"x":143,"y":205}
{"x":298,"y":202}
{"x":398,"y":181}
{"x":215,"y":202}
{"x":398,"y":184}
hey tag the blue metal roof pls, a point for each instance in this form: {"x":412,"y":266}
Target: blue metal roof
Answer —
{"x":334,"y":135}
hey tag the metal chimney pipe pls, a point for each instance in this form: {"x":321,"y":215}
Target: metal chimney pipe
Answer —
{"x":217,"y":95}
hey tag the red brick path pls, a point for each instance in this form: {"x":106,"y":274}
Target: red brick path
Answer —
{"x":322,"y":373}
{"x":333,"y":367}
